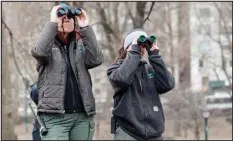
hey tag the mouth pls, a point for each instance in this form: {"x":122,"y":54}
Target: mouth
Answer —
{"x":67,"y":27}
{"x":67,"y":24}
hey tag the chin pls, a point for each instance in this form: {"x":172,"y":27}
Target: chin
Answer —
{"x":69,"y":30}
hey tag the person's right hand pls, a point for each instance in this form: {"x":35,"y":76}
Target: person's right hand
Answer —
{"x":53,"y":14}
{"x":134,"y":41}
{"x":134,"y":45}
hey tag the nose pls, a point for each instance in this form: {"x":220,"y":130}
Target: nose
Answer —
{"x":65,"y":18}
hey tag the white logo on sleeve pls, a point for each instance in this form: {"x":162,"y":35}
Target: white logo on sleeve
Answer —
{"x":156,"y":108}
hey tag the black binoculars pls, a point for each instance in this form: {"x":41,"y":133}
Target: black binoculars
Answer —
{"x":146,"y":41}
{"x":70,"y":12}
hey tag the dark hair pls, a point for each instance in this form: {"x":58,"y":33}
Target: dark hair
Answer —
{"x":121,"y":53}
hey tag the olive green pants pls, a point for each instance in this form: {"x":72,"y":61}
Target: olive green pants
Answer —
{"x":77,"y":126}
{"x":121,"y":135}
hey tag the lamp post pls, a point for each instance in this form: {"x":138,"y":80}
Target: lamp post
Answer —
{"x":206,"y":114}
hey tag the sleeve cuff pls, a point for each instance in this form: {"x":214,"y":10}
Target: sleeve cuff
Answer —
{"x":155,"y":52}
{"x":83,"y":27}
{"x":136,"y":48}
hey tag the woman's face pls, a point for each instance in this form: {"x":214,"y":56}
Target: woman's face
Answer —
{"x":68,"y":24}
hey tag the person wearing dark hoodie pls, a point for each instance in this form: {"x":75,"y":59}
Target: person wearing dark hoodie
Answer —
{"x":138,"y":112}
{"x":64,"y":56}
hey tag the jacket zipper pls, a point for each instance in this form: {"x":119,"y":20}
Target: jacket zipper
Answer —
{"x":145,"y":121}
{"x":67,"y":50}
{"x":63,"y":112}
{"x":144,"y":105}
{"x":140,"y":79}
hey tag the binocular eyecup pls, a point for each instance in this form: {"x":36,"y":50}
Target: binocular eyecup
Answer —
{"x":146,"y":41}
{"x":70,"y":12}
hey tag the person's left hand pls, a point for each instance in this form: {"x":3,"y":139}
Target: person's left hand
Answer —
{"x":82,"y":19}
{"x":154,"y":47}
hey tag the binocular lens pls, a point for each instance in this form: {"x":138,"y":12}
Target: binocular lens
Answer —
{"x":142,"y":38}
{"x":78,"y":11}
{"x":152,"y":39}
{"x":61,"y":12}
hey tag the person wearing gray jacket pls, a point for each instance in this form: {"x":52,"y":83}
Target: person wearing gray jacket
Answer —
{"x":64,"y":55}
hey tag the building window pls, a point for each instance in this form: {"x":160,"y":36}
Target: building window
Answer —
{"x":205,"y":80}
{"x":204,"y":47}
{"x":204,"y":29}
{"x":204,"y":12}
{"x":226,"y":30}
{"x":201,"y":63}
{"x":225,"y":46}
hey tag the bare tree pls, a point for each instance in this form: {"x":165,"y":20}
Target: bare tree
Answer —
{"x":114,"y":24}
{"x":189,"y":106}
{"x":25,"y":80}
{"x":20,"y":68}
{"x":8,"y":115}
{"x":140,"y":10}
{"x":224,"y":19}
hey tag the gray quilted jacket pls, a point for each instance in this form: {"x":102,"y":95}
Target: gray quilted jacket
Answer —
{"x":49,"y":54}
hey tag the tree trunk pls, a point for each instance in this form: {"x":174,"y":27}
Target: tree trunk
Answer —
{"x":197,"y":127}
{"x":185,"y":132}
{"x":140,"y":13}
{"x":7,"y":115}
{"x":177,"y":126}
{"x":184,"y":43}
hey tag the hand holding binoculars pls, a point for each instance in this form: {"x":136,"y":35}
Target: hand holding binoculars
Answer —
{"x":146,"y":41}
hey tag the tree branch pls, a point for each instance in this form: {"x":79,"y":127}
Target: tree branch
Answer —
{"x":130,"y":13}
{"x":151,"y":7}
{"x":25,"y":80}
{"x":109,"y":32}
{"x":225,"y":25}
{"x":104,"y":19}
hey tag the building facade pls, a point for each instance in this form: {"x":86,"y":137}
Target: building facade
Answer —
{"x":210,"y":31}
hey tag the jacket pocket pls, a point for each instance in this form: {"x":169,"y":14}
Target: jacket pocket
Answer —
{"x":123,"y":106}
{"x":157,"y":112}
{"x":50,"y":119}
{"x":91,"y":129}
{"x":155,"y":120}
